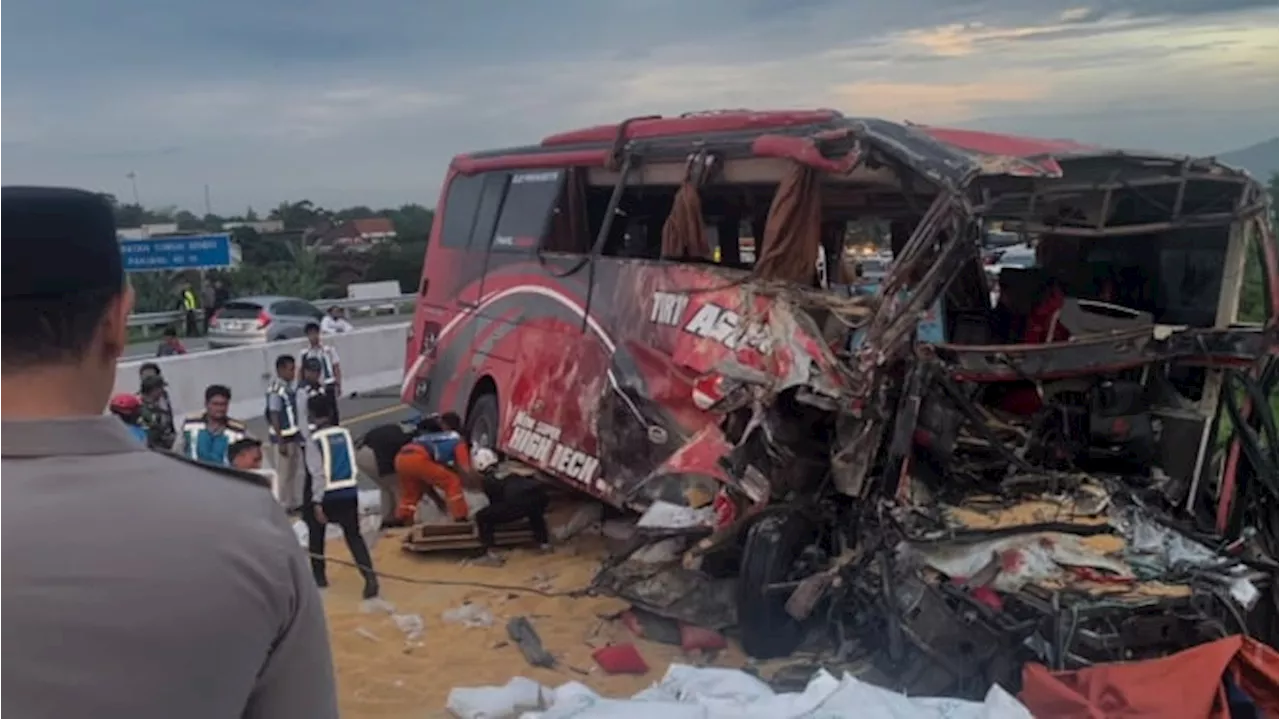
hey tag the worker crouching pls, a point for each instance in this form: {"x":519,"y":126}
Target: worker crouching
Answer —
{"x":332,"y":495}
{"x":433,"y":463}
{"x":512,"y":497}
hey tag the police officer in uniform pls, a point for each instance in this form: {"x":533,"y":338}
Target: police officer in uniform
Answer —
{"x":332,"y":493}
{"x":136,"y":583}
{"x":288,"y":428}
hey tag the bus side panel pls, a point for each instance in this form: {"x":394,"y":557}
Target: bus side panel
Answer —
{"x":551,"y":390}
{"x":452,"y":283}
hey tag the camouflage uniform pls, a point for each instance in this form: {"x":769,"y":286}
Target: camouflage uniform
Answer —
{"x":157,"y":420}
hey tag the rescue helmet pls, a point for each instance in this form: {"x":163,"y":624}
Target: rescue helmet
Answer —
{"x":483,"y":458}
{"x":126,"y":405}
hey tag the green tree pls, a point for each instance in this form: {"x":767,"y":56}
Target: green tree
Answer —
{"x":260,"y":250}
{"x":300,"y":273}
{"x":400,"y":261}
{"x":359,"y":212}
{"x":286,"y":263}
{"x":187,"y":221}
{"x":412,"y":223}
{"x":299,"y":215}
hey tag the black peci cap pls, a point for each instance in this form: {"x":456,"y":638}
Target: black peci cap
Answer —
{"x":58,"y":242}
{"x":312,"y":364}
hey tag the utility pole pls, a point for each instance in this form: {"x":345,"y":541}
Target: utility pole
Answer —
{"x":208,"y":208}
{"x":133,"y":180}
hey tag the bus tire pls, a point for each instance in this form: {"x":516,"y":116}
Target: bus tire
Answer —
{"x":771,"y":548}
{"x":482,"y":421}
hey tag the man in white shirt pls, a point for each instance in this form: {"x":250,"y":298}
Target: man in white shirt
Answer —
{"x":334,"y":323}
{"x":330,"y":370}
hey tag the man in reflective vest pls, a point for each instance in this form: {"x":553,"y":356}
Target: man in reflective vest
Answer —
{"x":330,"y":367}
{"x":206,"y":436}
{"x":332,"y":494}
{"x":435,"y":461}
{"x":287,"y":428}
{"x":190,"y":310}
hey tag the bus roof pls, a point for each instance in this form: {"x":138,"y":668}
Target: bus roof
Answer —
{"x":945,"y":149}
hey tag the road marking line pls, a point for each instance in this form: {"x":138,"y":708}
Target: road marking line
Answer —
{"x":398,"y":407}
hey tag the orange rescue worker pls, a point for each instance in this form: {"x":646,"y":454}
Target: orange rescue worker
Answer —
{"x":434,"y":461}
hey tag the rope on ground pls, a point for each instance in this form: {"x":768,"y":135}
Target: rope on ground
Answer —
{"x":573,"y":593}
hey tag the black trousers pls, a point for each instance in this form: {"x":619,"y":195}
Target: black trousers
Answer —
{"x":530,"y":505}
{"x":331,"y":390}
{"x":346,"y":514}
{"x":193,"y":323}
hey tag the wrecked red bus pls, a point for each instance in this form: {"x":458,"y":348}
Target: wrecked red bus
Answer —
{"x":662,"y":311}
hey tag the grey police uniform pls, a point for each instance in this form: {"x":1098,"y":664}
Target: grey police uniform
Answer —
{"x":140,"y":584}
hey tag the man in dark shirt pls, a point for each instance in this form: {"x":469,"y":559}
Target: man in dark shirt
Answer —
{"x":170,"y":345}
{"x":376,"y":459}
{"x":512,"y":496}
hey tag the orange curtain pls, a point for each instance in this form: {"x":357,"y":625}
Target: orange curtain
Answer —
{"x":793,"y":231}
{"x":569,"y":228}
{"x":683,"y":236}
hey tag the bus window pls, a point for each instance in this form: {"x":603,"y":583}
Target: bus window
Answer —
{"x":494,"y":185}
{"x":526,"y":213}
{"x":460,"y":210}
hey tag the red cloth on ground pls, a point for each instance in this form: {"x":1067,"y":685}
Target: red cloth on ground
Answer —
{"x":620,"y":659}
{"x":1186,"y":685}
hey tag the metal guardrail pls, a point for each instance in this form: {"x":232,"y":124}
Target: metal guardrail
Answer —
{"x":370,"y":306}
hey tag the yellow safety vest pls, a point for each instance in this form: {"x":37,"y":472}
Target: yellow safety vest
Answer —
{"x":189,"y":300}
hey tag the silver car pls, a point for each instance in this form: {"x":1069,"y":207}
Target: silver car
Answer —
{"x":266,"y":318}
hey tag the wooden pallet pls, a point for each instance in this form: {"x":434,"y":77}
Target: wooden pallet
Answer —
{"x":454,"y":537}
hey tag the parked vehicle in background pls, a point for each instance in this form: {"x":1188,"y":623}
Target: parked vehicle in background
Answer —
{"x":1016,"y":257}
{"x":873,"y":268}
{"x":264,"y":318}
{"x":837,"y":459}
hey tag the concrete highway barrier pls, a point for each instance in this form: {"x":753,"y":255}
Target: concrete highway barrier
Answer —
{"x":358,"y":305}
{"x":371,"y":358}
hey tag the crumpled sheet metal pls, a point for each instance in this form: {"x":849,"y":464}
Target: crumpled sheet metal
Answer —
{"x":798,"y":355}
{"x":1123,"y":554}
{"x":1035,"y":558}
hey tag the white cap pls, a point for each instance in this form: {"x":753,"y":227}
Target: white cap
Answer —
{"x":483,"y":459}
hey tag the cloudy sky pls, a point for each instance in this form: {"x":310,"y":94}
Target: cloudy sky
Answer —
{"x":345,"y":101}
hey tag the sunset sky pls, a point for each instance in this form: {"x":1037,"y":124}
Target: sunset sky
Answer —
{"x":364,"y":102}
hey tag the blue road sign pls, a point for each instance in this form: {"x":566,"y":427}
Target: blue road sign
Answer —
{"x":193,"y":252}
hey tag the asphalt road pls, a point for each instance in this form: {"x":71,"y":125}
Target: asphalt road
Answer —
{"x":358,"y":414}
{"x":139,"y":350}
